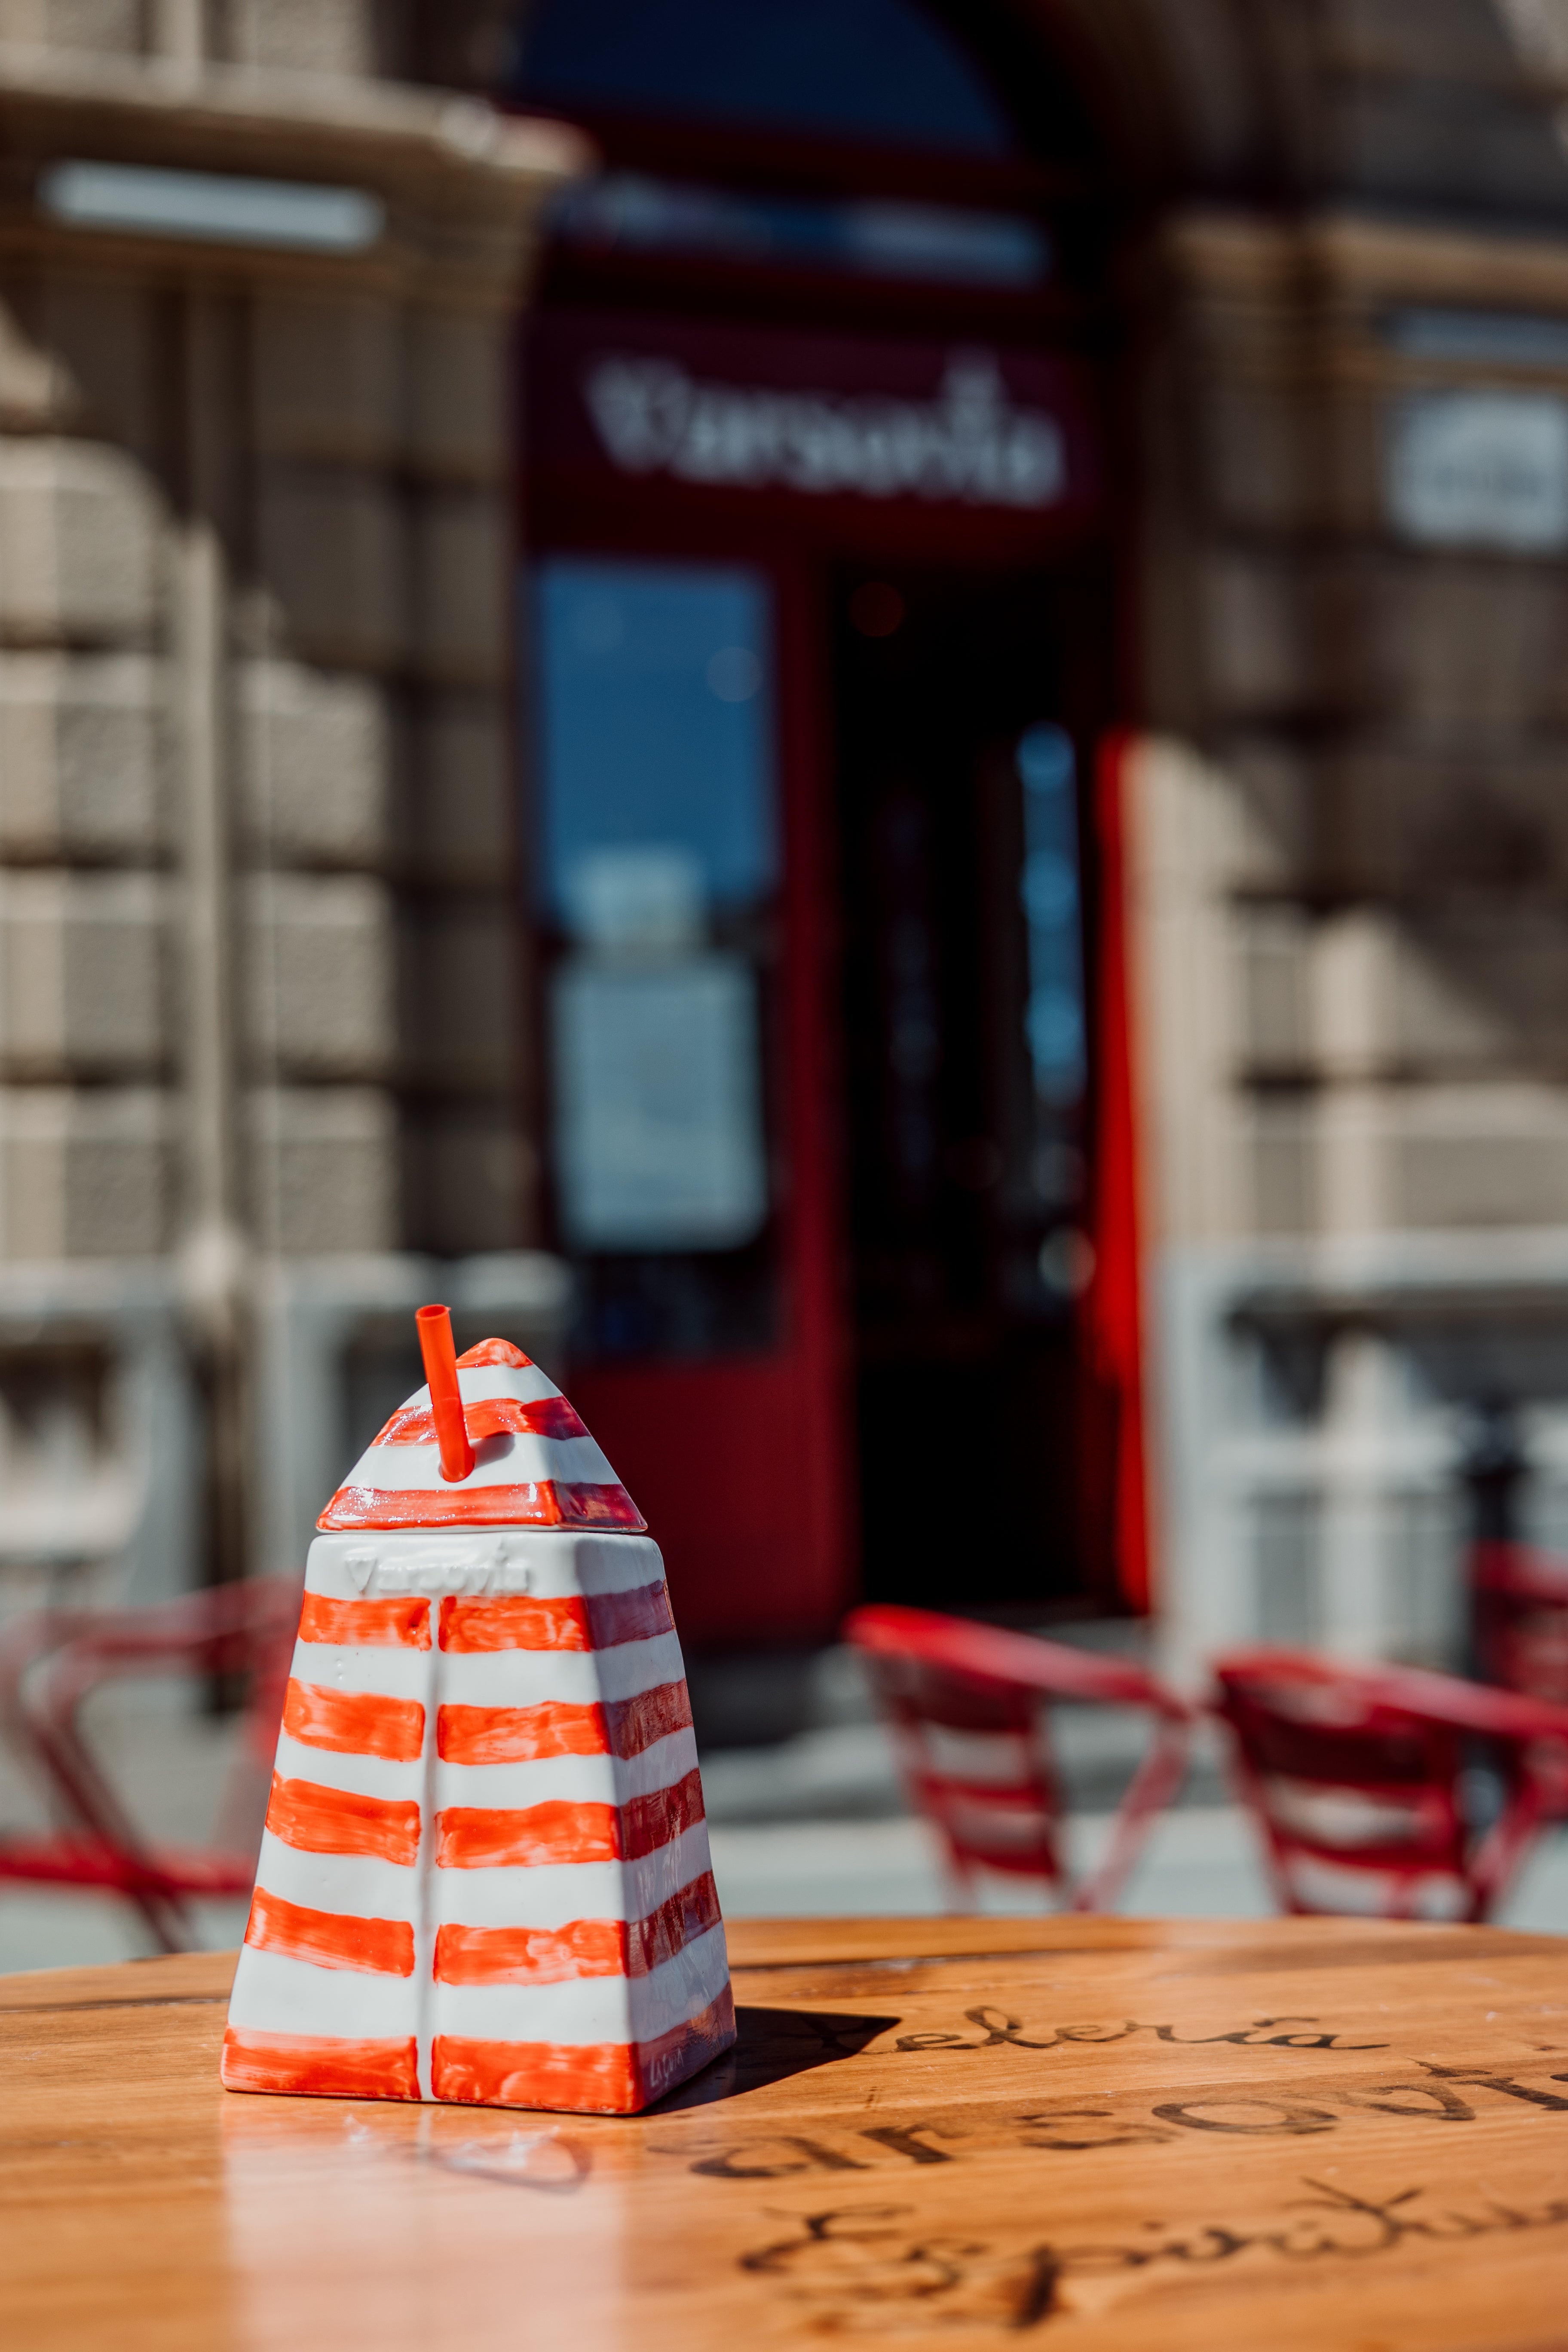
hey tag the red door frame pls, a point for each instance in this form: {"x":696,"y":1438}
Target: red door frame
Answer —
{"x":1112,"y":1320}
{"x":772,"y":1557}
{"x":758,"y":1531}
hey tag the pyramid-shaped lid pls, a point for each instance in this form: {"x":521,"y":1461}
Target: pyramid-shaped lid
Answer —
{"x":531,"y":1462}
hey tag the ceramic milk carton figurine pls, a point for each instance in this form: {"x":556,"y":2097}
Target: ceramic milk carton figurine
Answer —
{"x":485,"y":1872}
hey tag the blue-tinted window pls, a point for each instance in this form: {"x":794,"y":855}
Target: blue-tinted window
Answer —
{"x":862,"y":69}
{"x":656,"y":798}
{"x":1048,"y":887}
{"x":653,"y":692}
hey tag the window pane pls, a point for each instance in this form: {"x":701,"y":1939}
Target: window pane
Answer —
{"x":1050,"y":889}
{"x":657,"y":739}
{"x":658,"y":844}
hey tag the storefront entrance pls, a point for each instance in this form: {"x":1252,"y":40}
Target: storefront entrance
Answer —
{"x":819,"y":628}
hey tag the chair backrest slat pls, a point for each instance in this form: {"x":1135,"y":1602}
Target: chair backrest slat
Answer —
{"x":970,"y":1705}
{"x":1519,"y":1600}
{"x":1364,"y":1771}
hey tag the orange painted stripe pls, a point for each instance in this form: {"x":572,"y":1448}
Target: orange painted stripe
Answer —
{"x":396,"y":1624}
{"x":599,"y":2077}
{"x":495,"y":1956}
{"x":519,"y":1735}
{"x":602,"y":1620}
{"x":585,"y":1948}
{"x":523,"y":1735}
{"x":531,"y":1503}
{"x":589,"y":2077}
{"x":550,"y":1416}
{"x":330,"y":1820}
{"x":517,"y":1622}
{"x":355,"y":1723}
{"x":319,"y":2065}
{"x":330,"y":1939}
{"x":475,"y":1837}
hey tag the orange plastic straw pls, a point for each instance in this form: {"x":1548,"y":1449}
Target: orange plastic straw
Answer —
{"x":435,"y":1327}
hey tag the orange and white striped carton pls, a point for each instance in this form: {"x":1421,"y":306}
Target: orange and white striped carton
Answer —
{"x":485,"y":1875}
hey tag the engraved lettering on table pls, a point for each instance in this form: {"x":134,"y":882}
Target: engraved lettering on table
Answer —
{"x":904,"y":2141}
{"x":863,"y":2271}
{"x":1507,"y":2085}
{"x":1331,"y":2220}
{"x":1245,"y":2111}
{"x":1388,"y":2099}
{"x":775,"y":2157}
{"x":1122,"y":2133}
{"x":998,"y":2030}
{"x":1077,"y":2126}
{"x":1277,"y":2116}
{"x":859,"y":2266}
{"x":1250,"y":2108}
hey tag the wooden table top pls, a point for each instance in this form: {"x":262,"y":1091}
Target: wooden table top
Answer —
{"x":1110,"y":2133}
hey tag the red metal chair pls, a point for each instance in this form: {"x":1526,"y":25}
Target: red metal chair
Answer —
{"x":1519,"y":1629}
{"x":50,"y":1662}
{"x":1369,"y":1780}
{"x":970,"y":1707}
{"x":1519,"y":1600}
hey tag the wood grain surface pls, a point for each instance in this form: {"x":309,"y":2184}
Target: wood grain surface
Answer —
{"x":1096,"y":2133}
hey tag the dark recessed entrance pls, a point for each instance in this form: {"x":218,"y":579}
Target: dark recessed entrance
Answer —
{"x":965,"y":1030}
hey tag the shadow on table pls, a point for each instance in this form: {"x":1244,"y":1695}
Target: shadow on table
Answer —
{"x":771,"y":2044}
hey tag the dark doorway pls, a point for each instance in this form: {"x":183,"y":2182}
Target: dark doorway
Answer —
{"x":962,"y":701}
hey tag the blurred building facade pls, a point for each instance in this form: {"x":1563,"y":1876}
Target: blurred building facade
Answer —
{"x":1351,"y":918}
{"x":258,"y":1009}
{"x":267,"y":1031}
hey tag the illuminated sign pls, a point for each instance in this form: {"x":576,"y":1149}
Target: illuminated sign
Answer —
{"x":829,"y":424}
{"x":970,"y":443}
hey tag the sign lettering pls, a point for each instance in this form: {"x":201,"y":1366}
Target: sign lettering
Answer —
{"x":970,"y":446}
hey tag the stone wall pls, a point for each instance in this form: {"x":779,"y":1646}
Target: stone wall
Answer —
{"x":260,"y":982}
{"x":276,"y":484}
{"x":1388,"y":725}
{"x":1353,"y":926}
